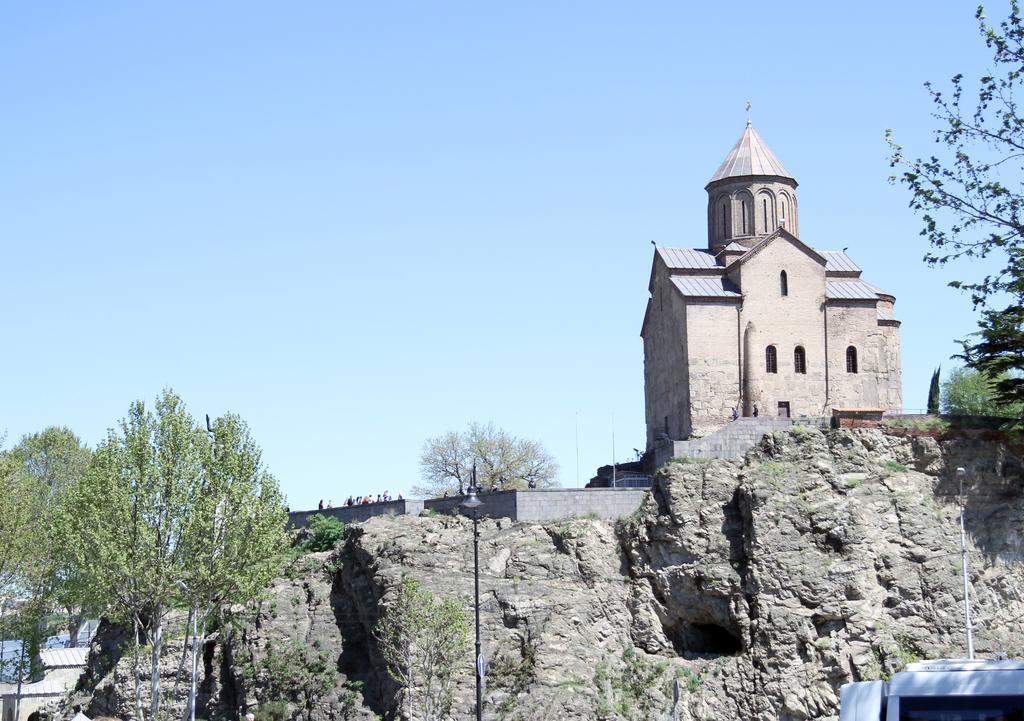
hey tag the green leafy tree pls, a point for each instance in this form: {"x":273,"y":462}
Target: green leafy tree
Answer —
{"x":967,"y":392}
{"x":971,"y":199}
{"x":423,"y":640}
{"x":22,"y":504}
{"x":933,"y":392}
{"x":299,"y":674}
{"x":56,"y":458}
{"x":502,"y":460}
{"x":159,"y":511}
{"x":235,"y":533}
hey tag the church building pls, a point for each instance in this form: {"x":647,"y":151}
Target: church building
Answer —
{"x":761,"y":322}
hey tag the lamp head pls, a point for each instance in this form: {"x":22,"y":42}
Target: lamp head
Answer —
{"x":960,"y":472}
{"x":471,"y":502}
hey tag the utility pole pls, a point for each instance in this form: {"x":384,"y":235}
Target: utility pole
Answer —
{"x":961,"y":474}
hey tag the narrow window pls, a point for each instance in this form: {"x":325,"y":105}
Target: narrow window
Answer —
{"x":783,"y":283}
{"x":799,"y":360}
{"x":851,"y":360}
{"x":771,"y":361}
{"x":764,"y":204}
{"x":744,"y":217}
{"x":782,"y":220}
{"x":725,"y":230}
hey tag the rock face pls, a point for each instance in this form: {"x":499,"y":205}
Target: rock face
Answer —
{"x":754,"y":587}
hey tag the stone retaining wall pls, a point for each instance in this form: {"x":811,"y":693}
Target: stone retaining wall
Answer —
{"x":531,"y":506}
{"x":551,"y":503}
{"x":355,"y":514}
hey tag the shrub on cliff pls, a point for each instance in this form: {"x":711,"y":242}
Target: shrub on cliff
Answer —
{"x":322,"y":533}
{"x":423,"y":640}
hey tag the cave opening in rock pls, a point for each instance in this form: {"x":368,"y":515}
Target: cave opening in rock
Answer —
{"x":705,"y":638}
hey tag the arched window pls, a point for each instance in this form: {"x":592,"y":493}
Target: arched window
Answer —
{"x":799,"y":360}
{"x":725,"y":219}
{"x":744,"y":205}
{"x":782,"y":220}
{"x":764,"y":207}
{"x":783,"y":283}
{"x":851,"y":360}
{"x":771,"y":361}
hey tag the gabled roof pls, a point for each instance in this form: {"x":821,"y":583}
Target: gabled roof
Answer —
{"x":837,"y":262}
{"x":750,"y":156}
{"x":687,"y":258}
{"x":733,"y":247}
{"x":785,"y":235}
{"x":852,"y":289}
{"x":704,"y":287}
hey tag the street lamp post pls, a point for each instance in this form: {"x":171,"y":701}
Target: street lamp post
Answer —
{"x":961,"y":474}
{"x":472,"y":504}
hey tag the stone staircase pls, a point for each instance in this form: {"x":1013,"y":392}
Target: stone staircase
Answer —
{"x":732,"y":440}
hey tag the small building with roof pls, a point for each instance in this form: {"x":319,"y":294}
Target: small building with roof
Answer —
{"x":61,"y":669}
{"x":759,"y":322}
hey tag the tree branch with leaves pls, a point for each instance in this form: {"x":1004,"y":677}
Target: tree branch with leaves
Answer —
{"x":971,"y":198}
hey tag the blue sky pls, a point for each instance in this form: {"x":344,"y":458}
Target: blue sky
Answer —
{"x":361,"y":225}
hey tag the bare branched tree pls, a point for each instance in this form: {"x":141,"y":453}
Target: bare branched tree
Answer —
{"x":503,"y":461}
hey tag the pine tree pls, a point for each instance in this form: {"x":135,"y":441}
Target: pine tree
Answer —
{"x":933,"y":393}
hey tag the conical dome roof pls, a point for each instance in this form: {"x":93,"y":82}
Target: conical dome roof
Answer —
{"x":750,"y":156}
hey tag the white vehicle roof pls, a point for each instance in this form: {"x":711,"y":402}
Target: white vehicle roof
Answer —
{"x":956,"y":677}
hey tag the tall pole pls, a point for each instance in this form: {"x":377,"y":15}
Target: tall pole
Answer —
{"x":577,"y":449}
{"x":195,"y":662}
{"x":476,"y":596}
{"x":960,"y":474}
{"x":613,"y":450}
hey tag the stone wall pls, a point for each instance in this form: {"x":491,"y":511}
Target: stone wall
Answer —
{"x":667,"y":393}
{"x":877,"y":380}
{"x":550,"y":503}
{"x":712,"y":332}
{"x":355,"y":514}
{"x":740,"y":194}
{"x":529,"y":505}
{"x":501,"y":504}
{"x":607,"y":503}
{"x":786,"y":322}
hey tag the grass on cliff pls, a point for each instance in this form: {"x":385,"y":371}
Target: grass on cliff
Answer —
{"x":894,"y":466}
{"x":930,"y":423}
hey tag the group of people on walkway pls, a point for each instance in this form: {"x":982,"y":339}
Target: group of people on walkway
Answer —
{"x":362,"y":500}
{"x":736,"y":413}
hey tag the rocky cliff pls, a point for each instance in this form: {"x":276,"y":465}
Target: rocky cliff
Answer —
{"x":755,"y":587}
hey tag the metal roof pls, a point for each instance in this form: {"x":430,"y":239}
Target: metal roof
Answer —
{"x":734,"y":247}
{"x":683,"y":258}
{"x":706,"y":287}
{"x":836,"y":261}
{"x":46,"y":687}
{"x":750,"y":156}
{"x":885,"y":314}
{"x":852,"y":289}
{"x":63,"y":657}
